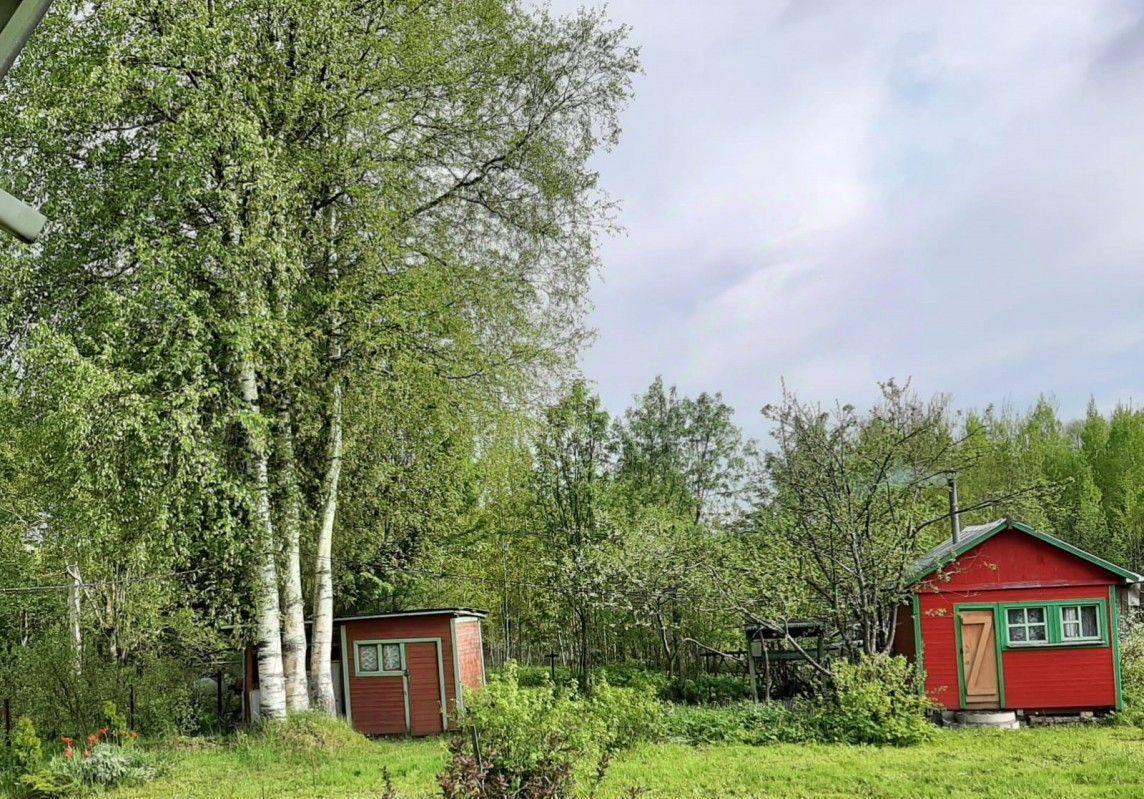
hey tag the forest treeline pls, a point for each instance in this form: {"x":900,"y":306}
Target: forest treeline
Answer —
{"x":301,"y":340}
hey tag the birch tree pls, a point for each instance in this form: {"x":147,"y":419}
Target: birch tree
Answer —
{"x":211,"y":143}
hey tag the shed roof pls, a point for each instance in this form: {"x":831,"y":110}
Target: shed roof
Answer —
{"x":471,"y":613}
{"x":975,"y":535}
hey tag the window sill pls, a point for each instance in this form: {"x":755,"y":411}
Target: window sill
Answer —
{"x":1095,"y":643}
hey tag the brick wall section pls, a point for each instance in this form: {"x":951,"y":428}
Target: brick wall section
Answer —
{"x":469,"y":651}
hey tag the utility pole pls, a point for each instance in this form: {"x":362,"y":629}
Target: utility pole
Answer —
{"x":18,"y":19}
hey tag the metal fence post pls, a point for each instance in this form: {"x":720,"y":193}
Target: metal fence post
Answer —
{"x":131,"y":706}
{"x":218,"y":696}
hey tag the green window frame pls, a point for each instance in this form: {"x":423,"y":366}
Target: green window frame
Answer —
{"x":1074,"y":623}
{"x":1033,"y":625}
{"x":1026,"y":625}
{"x":376,"y":659}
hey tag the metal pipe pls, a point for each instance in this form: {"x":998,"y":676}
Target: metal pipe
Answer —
{"x":20,"y":219}
{"x":18,"y":19}
{"x":954,"y":517}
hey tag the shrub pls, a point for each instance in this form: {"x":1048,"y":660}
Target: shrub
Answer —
{"x":745,"y":722}
{"x":469,"y":777}
{"x":710,"y":689}
{"x":877,"y":700}
{"x":706,"y":725}
{"x":626,"y":716}
{"x":1132,"y":672}
{"x":309,"y":732}
{"x":26,"y":748}
{"x":537,"y":741}
{"x":103,"y":765}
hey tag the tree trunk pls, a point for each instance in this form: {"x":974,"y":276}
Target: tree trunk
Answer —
{"x":74,"y":617}
{"x":271,"y":682}
{"x":294,"y":627}
{"x":321,"y":677}
{"x":585,"y":665}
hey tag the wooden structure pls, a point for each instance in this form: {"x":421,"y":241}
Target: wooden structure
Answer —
{"x":1005,"y":617}
{"x":401,"y":673}
{"x":771,"y":661}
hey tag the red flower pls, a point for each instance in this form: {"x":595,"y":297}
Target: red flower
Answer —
{"x":69,"y":753}
{"x":68,"y":741}
{"x":92,"y":740}
{"x":87,"y":754}
{"x":103,"y":731}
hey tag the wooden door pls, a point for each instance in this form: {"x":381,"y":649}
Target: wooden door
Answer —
{"x":979,"y":664}
{"x":425,"y":701}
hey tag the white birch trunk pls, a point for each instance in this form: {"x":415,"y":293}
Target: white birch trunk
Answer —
{"x":74,"y":617}
{"x":271,"y":682}
{"x":294,"y":628}
{"x":321,"y":678}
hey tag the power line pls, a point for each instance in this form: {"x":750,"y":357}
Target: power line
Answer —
{"x":33,"y":589}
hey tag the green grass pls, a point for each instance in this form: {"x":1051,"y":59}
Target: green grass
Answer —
{"x":1055,"y":762}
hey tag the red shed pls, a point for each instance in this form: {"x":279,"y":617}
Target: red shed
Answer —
{"x":402,"y":673}
{"x":1006,"y":617}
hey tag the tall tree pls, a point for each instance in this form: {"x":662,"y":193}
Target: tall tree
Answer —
{"x":573,"y":467}
{"x":855,"y":494}
{"x":318,"y":193}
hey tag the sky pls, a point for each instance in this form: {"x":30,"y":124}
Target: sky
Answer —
{"x":837,"y":193}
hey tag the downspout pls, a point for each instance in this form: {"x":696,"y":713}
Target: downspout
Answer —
{"x":954,"y":517}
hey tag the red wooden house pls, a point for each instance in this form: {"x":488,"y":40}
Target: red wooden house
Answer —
{"x":1005,"y":617}
{"x":403,"y":673}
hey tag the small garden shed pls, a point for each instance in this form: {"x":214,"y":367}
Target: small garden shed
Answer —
{"x":402,"y":673}
{"x":1006,"y":617}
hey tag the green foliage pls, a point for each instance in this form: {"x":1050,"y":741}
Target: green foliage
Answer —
{"x":745,"y":722}
{"x":27,"y":750}
{"x":709,"y":689}
{"x":306,"y":733}
{"x":103,"y":765}
{"x":530,"y":735}
{"x":874,"y":701}
{"x":117,"y":730}
{"x":43,"y":684}
{"x":1132,"y":671}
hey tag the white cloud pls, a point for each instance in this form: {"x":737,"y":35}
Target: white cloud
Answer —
{"x":838,"y":193}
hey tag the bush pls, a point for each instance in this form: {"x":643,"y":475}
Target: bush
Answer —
{"x":877,"y":700}
{"x":304,"y":733}
{"x":26,"y":748}
{"x":104,"y":765}
{"x":710,"y":689}
{"x":538,"y":741}
{"x":746,"y":723}
{"x":1132,"y":672}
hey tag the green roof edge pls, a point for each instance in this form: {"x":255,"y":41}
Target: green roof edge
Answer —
{"x":1005,"y":524}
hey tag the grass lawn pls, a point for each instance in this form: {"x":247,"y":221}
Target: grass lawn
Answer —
{"x":1060,"y":762}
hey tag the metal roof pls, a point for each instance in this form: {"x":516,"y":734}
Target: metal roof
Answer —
{"x":399,"y":614}
{"x":975,"y":535}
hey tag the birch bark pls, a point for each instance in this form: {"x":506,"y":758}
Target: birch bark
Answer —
{"x":271,"y":681}
{"x":294,"y":623}
{"x":321,"y":677}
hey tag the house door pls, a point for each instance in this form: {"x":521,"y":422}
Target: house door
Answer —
{"x":423,"y":666}
{"x":979,"y":665}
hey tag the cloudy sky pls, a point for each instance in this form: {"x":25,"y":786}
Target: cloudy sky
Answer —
{"x":835,"y":193}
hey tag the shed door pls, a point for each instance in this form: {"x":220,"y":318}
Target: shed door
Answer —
{"x":425,"y":700}
{"x":979,"y":659}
